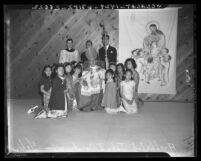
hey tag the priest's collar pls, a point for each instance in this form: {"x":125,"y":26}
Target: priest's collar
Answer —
{"x":61,"y":77}
{"x":93,"y":67}
{"x":70,"y":50}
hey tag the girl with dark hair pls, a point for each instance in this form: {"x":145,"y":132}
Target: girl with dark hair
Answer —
{"x":76,"y":79}
{"x":120,"y":71}
{"x":67,"y":69}
{"x":73,"y":64}
{"x":69,"y":86}
{"x":131,"y":64}
{"x":120,"y":77}
{"x":77,"y":72}
{"x":46,"y":86}
{"x":113,"y":66}
{"x":109,"y":100}
{"x":53,"y":67}
{"x":58,"y":102}
{"x":128,"y":93}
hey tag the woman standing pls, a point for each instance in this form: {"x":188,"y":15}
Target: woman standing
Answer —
{"x":89,"y":54}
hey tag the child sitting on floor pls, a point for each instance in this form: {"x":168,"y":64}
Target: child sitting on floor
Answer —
{"x":69,"y":86}
{"x":128,"y":93}
{"x":131,"y":64}
{"x":45,"y":86}
{"x":58,"y":101}
{"x":76,"y":78}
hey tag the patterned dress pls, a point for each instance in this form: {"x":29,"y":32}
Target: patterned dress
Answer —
{"x":89,"y":91}
{"x":94,"y":77}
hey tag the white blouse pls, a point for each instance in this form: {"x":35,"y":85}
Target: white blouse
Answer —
{"x":67,"y":56}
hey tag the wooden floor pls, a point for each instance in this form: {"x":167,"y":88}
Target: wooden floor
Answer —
{"x":158,"y":127}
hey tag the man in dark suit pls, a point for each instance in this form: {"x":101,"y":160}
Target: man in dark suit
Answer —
{"x":107,"y":53}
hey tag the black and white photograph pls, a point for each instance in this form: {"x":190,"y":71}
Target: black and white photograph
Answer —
{"x":109,"y":79}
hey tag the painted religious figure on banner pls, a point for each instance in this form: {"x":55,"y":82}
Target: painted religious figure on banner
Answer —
{"x":153,"y":59}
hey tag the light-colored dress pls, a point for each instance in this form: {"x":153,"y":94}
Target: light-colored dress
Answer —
{"x":68,"y":56}
{"x":128,"y":89}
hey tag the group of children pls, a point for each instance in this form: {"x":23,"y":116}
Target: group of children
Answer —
{"x":120,"y":90}
{"x":57,"y":89}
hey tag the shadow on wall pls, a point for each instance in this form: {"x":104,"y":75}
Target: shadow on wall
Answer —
{"x":37,"y":36}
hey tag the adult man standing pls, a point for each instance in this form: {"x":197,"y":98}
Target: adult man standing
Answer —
{"x":69,"y":54}
{"x":107,"y":53}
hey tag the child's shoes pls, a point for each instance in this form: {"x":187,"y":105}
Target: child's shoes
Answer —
{"x":42,"y":114}
{"x":31,"y":110}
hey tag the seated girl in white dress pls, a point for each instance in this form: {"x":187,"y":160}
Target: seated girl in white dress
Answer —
{"x":128,"y":93}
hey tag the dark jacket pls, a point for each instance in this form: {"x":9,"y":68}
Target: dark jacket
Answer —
{"x":111,"y":54}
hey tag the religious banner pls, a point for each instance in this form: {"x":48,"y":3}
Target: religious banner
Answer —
{"x":149,"y":36}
